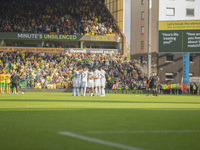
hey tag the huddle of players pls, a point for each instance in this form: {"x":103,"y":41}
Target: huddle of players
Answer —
{"x":6,"y":79}
{"x":153,"y":84}
{"x":89,"y":80}
{"x":5,"y":82}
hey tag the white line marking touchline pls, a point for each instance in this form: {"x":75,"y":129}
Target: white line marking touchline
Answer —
{"x":147,"y":131}
{"x":99,"y":141}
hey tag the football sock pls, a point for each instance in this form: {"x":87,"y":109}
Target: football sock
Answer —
{"x":81,"y":91}
{"x":84,"y":91}
{"x":78,"y":91}
{"x":74,"y":91}
{"x":90,"y":91}
{"x":99,"y":91}
{"x":96,"y":91}
{"x":103,"y":91}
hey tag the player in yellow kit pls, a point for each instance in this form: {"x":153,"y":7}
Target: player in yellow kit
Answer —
{"x":7,"y":85}
{"x":2,"y":81}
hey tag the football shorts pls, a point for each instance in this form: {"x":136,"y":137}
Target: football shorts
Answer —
{"x":97,"y":82}
{"x":102,"y":82}
{"x":83,"y":84}
{"x":76,"y":83}
{"x":90,"y":84}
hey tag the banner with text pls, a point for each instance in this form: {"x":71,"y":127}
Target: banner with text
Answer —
{"x":92,"y":51}
{"x":179,"y":36}
{"x":126,"y":91}
{"x":9,"y":35}
{"x":32,"y":49}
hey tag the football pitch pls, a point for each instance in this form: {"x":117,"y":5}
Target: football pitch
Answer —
{"x":58,"y":121}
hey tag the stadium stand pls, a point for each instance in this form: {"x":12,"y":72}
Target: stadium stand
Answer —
{"x":41,"y":70}
{"x":56,"y":17}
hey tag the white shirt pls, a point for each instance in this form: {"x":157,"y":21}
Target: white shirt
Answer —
{"x":97,"y":74}
{"x":91,"y":74}
{"x":76,"y":73}
{"x":102,"y":72}
{"x":78,"y":76}
{"x":84,"y":76}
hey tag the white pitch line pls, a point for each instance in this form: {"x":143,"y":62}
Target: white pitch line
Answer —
{"x":147,"y":131}
{"x":125,"y":147}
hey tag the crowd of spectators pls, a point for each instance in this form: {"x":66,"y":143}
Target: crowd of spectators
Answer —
{"x":76,"y":17}
{"x":43,"y":70}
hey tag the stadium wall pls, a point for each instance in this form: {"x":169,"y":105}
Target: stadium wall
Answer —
{"x":164,"y":67}
{"x":174,"y":68}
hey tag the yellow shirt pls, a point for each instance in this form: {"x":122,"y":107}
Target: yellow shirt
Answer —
{"x":37,"y":65}
{"x":8,"y":78}
{"x":2,"y":78}
{"x":23,"y":55}
{"x":32,"y":57}
{"x":14,"y":66}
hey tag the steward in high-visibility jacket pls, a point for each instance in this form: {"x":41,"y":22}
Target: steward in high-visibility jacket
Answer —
{"x":179,"y":88}
{"x":173,"y":88}
{"x":194,"y":89}
{"x":184,"y":87}
{"x":164,"y":88}
{"x":168,"y":89}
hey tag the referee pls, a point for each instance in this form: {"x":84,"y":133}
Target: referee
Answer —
{"x":14,"y":79}
{"x":155,"y":80}
{"x":150,"y":84}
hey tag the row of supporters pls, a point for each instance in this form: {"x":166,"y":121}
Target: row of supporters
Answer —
{"x":179,"y":88}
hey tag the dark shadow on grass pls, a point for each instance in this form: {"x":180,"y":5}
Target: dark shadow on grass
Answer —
{"x":96,"y":101}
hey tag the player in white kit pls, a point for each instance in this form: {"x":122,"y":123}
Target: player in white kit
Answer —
{"x":79,"y":80}
{"x":97,"y":81}
{"x":76,"y":82}
{"x":102,"y":81}
{"x":84,"y":78}
{"x":91,"y":82}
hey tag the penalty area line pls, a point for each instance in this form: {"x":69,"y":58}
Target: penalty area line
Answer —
{"x":99,"y":141}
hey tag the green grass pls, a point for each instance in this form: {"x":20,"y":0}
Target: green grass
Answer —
{"x":32,"y":121}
